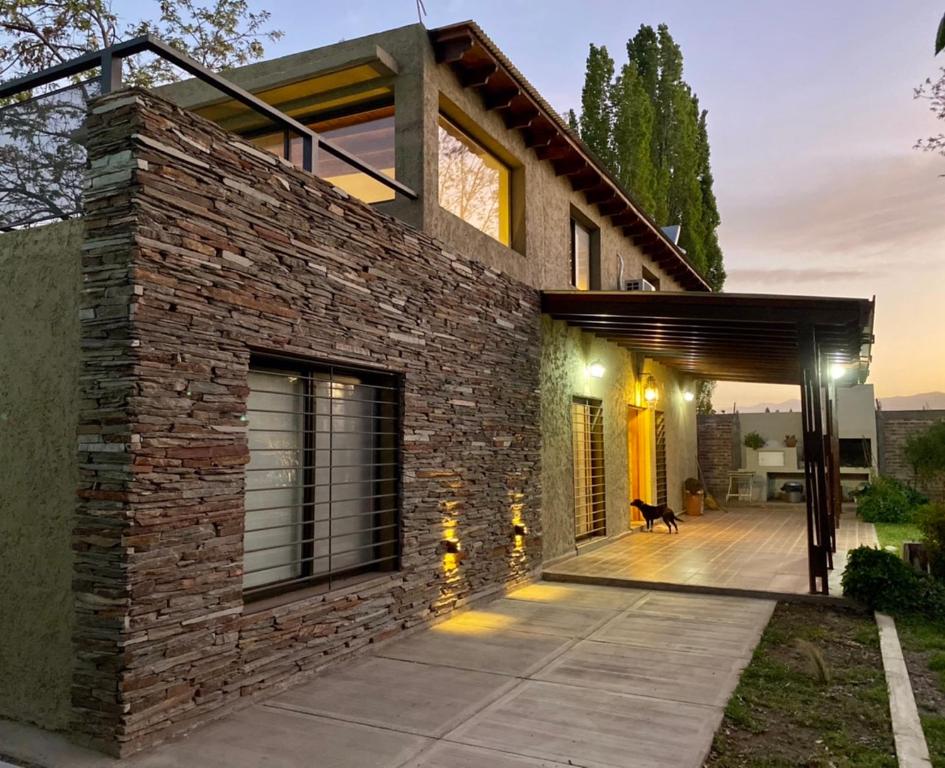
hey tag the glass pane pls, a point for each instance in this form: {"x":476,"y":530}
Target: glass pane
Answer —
{"x":580,"y":256}
{"x":473,"y":184}
{"x":274,"y":479}
{"x":369,"y":137}
{"x":42,"y":157}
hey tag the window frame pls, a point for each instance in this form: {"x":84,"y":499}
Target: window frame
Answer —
{"x":308,"y":579}
{"x":509,"y":174}
{"x":593,"y":252}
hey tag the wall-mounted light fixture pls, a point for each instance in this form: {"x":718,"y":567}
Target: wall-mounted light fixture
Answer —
{"x":651,"y":392}
{"x":688,"y":395}
{"x":837,"y":371}
{"x":596,"y":370}
{"x":519,"y":529}
{"x":452,"y":546}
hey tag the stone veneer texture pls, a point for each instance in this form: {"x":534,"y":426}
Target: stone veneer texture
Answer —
{"x":201,"y":249}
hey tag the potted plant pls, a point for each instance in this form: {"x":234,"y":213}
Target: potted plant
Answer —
{"x":754,"y":441}
{"x":790,"y":441}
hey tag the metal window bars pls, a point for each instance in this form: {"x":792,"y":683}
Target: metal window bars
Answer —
{"x":109,"y":63}
{"x":587,"y":430}
{"x":323,"y":483}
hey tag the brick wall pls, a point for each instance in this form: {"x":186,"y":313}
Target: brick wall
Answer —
{"x":718,"y":446}
{"x":200,"y":248}
{"x":893,"y":429}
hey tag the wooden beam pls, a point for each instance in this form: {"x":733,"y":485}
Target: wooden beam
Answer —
{"x":580,"y":182}
{"x":612,"y":207}
{"x":451,"y":49}
{"x":477,"y":76}
{"x":499,"y":98}
{"x":600,"y":194}
{"x":570,"y":166}
{"x":555,"y":150}
{"x":523,"y":119}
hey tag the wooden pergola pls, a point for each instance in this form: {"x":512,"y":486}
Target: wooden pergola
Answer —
{"x":774,"y":339}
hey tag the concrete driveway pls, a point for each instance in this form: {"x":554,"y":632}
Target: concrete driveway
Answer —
{"x":552,"y":675}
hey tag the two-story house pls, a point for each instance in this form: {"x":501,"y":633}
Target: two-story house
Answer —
{"x":316,"y":409}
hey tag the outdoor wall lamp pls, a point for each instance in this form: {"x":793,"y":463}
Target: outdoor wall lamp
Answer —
{"x":651,"y":392}
{"x":596,"y":370}
{"x":452,"y":546}
{"x":520,"y":529}
{"x":688,"y":395}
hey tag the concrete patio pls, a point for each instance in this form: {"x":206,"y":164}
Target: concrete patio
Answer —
{"x":552,"y":675}
{"x":758,"y":549}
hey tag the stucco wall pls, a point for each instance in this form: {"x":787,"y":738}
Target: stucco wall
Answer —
{"x":566,"y":353}
{"x":39,"y":365}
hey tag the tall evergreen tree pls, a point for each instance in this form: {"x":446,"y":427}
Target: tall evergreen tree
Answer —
{"x":712,"y":251}
{"x":596,"y":113}
{"x":684,"y":200}
{"x":633,"y":136}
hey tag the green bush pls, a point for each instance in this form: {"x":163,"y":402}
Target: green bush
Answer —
{"x":886,"y":500}
{"x":930,"y":519}
{"x":882,"y":581}
{"x":754,"y":440}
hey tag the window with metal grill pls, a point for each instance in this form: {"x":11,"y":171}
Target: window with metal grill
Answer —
{"x":662,"y":496}
{"x":323,"y":481}
{"x":587,"y":428}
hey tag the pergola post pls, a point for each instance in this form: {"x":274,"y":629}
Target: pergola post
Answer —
{"x":819,"y":525}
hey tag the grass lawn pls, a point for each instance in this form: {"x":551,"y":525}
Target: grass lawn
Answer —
{"x":923,"y":644}
{"x":894,"y":534}
{"x":813,"y":695}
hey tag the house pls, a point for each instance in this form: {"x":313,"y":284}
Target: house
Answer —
{"x":330,"y":387}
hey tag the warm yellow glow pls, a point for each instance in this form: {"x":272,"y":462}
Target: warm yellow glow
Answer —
{"x":688,"y":395}
{"x":651,"y":392}
{"x":450,"y":562}
{"x":596,"y":370}
{"x":473,"y":184}
{"x":476,"y":623}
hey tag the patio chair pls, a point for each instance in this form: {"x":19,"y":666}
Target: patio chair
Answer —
{"x":740,"y":486}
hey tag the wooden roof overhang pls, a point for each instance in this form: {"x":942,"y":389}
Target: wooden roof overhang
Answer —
{"x":480,"y":65}
{"x":725,"y":336}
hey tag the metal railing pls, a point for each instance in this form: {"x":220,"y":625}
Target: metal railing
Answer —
{"x":110,"y":63}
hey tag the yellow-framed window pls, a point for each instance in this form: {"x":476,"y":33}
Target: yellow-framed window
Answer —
{"x":473,"y":183}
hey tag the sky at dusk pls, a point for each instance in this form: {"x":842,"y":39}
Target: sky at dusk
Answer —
{"x":812,"y":123}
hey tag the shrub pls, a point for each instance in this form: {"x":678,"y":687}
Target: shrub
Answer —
{"x":754,"y":440}
{"x":882,"y":581}
{"x":931,"y":521}
{"x":886,"y":500}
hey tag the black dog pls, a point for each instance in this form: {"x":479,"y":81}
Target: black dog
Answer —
{"x":653,"y":513}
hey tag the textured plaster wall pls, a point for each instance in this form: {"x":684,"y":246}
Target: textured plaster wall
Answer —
{"x":566,"y":353}
{"x":39,"y":366}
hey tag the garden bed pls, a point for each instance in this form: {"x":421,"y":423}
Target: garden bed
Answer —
{"x":813,"y":695}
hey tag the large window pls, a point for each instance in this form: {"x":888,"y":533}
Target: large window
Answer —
{"x":366,"y":134}
{"x":322,"y":485}
{"x":587,"y":434}
{"x":473,"y":183}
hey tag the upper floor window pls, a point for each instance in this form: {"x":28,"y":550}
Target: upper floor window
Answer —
{"x":366,"y":134}
{"x":322,"y":485}
{"x":580,"y":256}
{"x":474,"y":183}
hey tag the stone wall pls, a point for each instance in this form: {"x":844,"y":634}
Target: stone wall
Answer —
{"x":201,"y":249}
{"x":718,"y":450}
{"x":893,"y":429}
{"x":39,"y":374}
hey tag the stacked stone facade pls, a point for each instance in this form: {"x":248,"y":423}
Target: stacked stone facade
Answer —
{"x":893,"y":429}
{"x":201,"y":250}
{"x":718,"y":436}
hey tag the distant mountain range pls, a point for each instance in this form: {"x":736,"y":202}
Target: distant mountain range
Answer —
{"x":931,"y":401}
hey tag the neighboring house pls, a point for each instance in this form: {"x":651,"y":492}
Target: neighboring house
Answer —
{"x":305,"y":426}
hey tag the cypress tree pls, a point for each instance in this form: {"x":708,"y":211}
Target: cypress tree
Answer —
{"x":633,"y":136}
{"x":712,"y":252}
{"x":685,"y":193}
{"x":596,"y":115}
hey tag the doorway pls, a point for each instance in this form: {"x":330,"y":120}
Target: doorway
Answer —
{"x":638,"y":459}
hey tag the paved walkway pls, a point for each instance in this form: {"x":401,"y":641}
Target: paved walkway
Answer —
{"x":760,"y":549}
{"x":553,"y":675}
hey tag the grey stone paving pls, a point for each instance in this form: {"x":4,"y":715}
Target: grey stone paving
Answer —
{"x":552,"y":675}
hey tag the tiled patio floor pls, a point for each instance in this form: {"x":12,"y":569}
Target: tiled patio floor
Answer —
{"x":747,"y":548}
{"x":553,"y":675}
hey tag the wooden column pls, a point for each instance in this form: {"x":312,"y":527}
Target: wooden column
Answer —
{"x":815,"y":469}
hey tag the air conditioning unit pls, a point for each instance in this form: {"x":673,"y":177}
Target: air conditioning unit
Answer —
{"x":640,"y":284}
